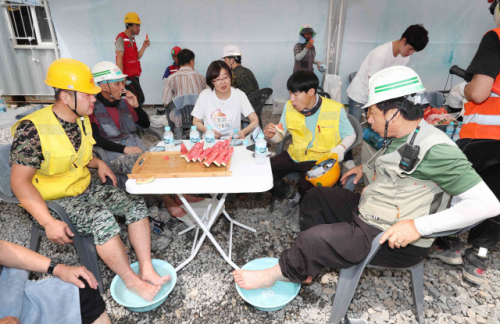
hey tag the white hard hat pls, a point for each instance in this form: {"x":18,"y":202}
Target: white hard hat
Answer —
{"x":107,"y":71}
{"x":391,"y":83}
{"x":231,"y":50}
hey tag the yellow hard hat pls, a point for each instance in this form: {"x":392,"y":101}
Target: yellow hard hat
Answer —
{"x":331,"y":176}
{"x":132,"y":18}
{"x":70,"y":74}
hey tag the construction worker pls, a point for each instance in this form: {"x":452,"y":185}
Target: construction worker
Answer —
{"x":128,"y":56}
{"x":406,"y":197}
{"x":304,"y":51}
{"x":243,"y":78}
{"x":175,"y":66}
{"x":480,"y":142}
{"x":50,"y":155}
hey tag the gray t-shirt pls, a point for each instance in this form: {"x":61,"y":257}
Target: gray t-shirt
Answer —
{"x":120,"y":44}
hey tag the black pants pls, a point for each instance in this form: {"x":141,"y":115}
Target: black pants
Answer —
{"x":334,"y":236}
{"x":91,"y":303}
{"x":136,"y":89}
{"x":485,"y":158}
{"x":282,"y":165}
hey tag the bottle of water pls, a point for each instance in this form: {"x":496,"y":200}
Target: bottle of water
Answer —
{"x":168,"y":139}
{"x":209,"y":137}
{"x":450,"y":129}
{"x":194,"y":136}
{"x":260,"y":149}
{"x":456,"y":136}
{"x":373,"y":137}
{"x":235,"y":134}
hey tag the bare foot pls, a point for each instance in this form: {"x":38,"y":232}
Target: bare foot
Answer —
{"x":148,"y":273}
{"x":172,"y":207}
{"x":189,"y":198}
{"x":254,"y":279}
{"x":144,"y":289}
{"x":308,"y":280}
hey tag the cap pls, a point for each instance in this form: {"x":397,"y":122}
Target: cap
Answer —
{"x":167,"y":128}
{"x":175,"y":50}
{"x":209,"y":127}
{"x":193,"y":127}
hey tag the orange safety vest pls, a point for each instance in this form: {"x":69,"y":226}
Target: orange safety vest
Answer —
{"x":131,"y":64}
{"x":482,"y":121}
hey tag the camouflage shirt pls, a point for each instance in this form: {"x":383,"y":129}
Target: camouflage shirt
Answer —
{"x":26,"y":148}
{"x":244,"y":80}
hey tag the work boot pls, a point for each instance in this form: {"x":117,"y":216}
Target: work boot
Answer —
{"x":446,"y":255}
{"x":474,"y":267}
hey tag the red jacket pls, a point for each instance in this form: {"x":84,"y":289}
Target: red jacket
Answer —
{"x":131,"y":64}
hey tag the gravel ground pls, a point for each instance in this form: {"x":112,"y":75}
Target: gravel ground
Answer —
{"x":205,"y":291}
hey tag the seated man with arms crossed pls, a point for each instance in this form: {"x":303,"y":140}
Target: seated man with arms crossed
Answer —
{"x":50,"y":155}
{"x":405,"y":197}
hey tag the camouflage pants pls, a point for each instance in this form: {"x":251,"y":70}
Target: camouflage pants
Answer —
{"x":92,"y":212}
{"x":124,"y":163}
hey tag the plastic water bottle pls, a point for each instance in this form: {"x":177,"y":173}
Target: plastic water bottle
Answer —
{"x":194,"y":136}
{"x":235,"y":134}
{"x":456,"y":136}
{"x":210,"y":136}
{"x":373,"y":137}
{"x":168,"y":139}
{"x":260,"y":149}
{"x":450,"y":129}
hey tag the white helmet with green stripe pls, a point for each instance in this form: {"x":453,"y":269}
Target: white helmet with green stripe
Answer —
{"x":106,"y":71}
{"x":393,"y":82}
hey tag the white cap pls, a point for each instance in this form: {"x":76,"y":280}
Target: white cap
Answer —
{"x":106,"y":71}
{"x":231,"y":50}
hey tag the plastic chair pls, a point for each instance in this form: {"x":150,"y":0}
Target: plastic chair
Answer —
{"x":294,"y":176}
{"x":187,"y":120}
{"x":149,"y":130}
{"x":84,"y":244}
{"x":352,"y":76}
{"x":257,"y":100}
{"x":324,"y":94}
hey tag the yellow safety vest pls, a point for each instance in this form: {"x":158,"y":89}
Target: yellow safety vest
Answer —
{"x":63,"y":172}
{"x":327,"y":134}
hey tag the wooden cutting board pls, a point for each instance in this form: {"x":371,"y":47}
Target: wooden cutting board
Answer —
{"x":153,"y":164}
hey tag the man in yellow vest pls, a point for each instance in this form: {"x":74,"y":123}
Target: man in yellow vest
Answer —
{"x":50,"y":155}
{"x":480,"y":142}
{"x":319,"y":127}
{"x":409,"y":183}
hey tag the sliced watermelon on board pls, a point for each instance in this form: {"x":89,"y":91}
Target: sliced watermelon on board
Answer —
{"x":205,"y":153}
{"x":198,"y":146}
{"x":220,"y":157}
{"x":227,"y":157}
{"x":184,"y":150}
{"x":211,"y":157}
{"x":197,"y":154}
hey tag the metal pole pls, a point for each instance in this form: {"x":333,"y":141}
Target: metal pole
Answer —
{"x":51,"y":28}
{"x":340,"y":35}
{"x":328,"y":39}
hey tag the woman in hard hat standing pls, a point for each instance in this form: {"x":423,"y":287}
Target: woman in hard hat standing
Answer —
{"x":127,"y":54}
{"x":304,"y":50}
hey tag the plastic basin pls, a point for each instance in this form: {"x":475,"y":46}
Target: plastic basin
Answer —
{"x":124,"y":297}
{"x":268,"y":299}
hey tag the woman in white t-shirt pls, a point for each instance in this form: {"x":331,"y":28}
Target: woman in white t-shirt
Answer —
{"x":221,"y":106}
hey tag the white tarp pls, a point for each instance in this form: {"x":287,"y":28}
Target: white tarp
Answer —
{"x":30,"y":2}
{"x":266,"y":32}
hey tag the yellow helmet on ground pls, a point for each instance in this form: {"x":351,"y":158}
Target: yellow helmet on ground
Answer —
{"x":331,"y":176}
{"x":69,"y":74}
{"x":132,"y":18}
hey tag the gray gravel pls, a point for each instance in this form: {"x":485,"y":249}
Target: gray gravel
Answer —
{"x":205,"y":291}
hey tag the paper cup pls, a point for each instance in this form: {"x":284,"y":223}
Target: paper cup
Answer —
{"x":277,"y":138}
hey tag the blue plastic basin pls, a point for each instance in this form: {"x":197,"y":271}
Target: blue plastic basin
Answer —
{"x":268,"y":299}
{"x":124,"y":297}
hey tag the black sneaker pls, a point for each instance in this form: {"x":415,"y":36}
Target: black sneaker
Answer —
{"x":474,"y":267}
{"x":446,"y":255}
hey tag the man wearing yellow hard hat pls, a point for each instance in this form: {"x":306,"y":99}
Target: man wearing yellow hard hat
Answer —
{"x":128,"y":55}
{"x":50,"y":155}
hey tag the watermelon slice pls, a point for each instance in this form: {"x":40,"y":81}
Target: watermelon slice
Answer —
{"x":204,"y":154}
{"x":220,"y":157}
{"x":184,"y":150}
{"x":197,"y":154}
{"x":211,"y":157}
{"x":144,"y":181}
{"x":227,"y":157}
{"x":198,"y":146}
{"x":279,"y":128}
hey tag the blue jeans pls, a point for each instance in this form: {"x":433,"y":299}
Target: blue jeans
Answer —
{"x":355,"y":109}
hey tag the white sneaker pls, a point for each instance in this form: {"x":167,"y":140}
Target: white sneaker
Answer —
{"x":349,"y":164}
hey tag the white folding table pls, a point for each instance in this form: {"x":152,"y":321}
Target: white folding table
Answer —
{"x":247,"y":177}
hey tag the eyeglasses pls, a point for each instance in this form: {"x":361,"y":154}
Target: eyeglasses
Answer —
{"x":224,"y":79}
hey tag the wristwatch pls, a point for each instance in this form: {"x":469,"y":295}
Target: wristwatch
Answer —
{"x":52,"y":265}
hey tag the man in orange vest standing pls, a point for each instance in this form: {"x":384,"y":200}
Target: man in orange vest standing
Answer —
{"x":480,"y":141}
{"x":128,"y":55}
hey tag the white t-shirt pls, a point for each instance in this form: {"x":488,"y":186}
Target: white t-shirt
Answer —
{"x":223,"y":115}
{"x":380,"y":58}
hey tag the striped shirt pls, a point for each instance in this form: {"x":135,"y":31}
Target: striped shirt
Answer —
{"x":184,"y":81}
